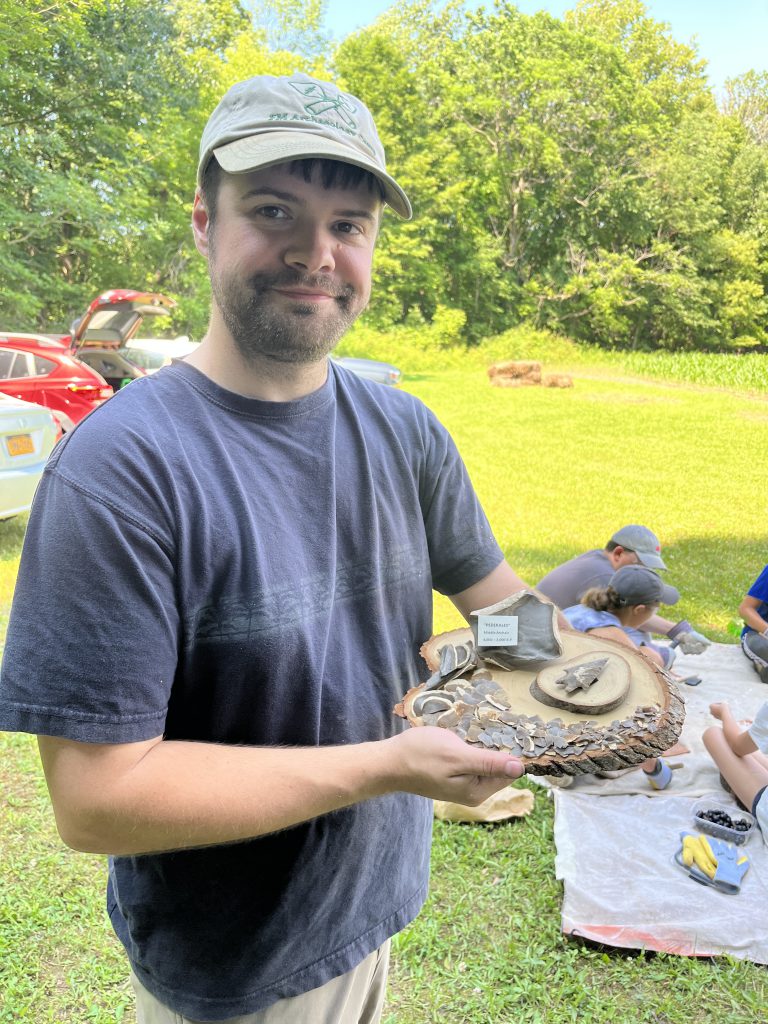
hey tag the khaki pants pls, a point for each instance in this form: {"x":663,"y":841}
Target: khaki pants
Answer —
{"x":354,"y":998}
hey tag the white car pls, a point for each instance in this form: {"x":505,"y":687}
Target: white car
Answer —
{"x":152,"y":353}
{"x":383,"y":373}
{"x":28,"y":433}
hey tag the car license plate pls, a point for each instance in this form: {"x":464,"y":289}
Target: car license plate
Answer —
{"x":20,"y":444}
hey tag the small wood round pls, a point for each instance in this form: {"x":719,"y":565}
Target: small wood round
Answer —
{"x":605,"y":694}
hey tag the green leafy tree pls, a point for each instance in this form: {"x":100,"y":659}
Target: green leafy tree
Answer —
{"x":94,"y":136}
{"x":575,"y":173}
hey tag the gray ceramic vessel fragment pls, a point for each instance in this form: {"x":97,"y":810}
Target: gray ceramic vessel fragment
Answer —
{"x":538,"y":638}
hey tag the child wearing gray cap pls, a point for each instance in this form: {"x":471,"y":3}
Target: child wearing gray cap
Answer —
{"x":618,"y":612}
{"x":632,"y":595}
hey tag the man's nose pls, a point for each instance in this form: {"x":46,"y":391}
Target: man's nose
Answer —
{"x":311,"y":249}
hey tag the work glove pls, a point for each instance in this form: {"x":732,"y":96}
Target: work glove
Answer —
{"x":684,"y":636}
{"x":713,"y":862}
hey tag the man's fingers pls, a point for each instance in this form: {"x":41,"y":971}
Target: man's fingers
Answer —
{"x":492,"y":764}
{"x":500,"y":765}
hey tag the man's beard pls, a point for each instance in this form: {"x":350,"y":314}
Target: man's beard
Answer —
{"x":303,"y":333}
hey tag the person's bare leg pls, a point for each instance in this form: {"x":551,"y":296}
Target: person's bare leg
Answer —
{"x":745,"y":775}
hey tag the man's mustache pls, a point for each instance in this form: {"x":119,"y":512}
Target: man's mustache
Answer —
{"x":292,"y":279}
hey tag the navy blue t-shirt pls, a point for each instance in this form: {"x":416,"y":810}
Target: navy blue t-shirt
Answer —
{"x":759,"y":589}
{"x":216,"y":568}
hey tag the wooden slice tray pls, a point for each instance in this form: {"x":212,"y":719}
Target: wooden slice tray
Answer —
{"x":495,"y":708}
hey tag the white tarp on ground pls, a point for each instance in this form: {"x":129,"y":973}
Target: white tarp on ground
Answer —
{"x":616,"y":840}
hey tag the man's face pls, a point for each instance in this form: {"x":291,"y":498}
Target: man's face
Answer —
{"x":289,"y":261}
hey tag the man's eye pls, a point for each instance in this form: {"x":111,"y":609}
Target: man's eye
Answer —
{"x":346,"y":227}
{"x":271,"y":212}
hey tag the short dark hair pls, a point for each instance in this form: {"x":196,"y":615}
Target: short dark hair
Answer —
{"x":612,"y":545}
{"x":209,"y":186}
{"x":333,"y":174}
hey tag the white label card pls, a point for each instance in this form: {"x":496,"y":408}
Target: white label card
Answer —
{"x":496,"y":630}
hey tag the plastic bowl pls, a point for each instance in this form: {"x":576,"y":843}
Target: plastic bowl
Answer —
{"x":731,"y":835}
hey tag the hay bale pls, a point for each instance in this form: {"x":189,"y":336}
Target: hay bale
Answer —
{"x":516,"y":368}
{"x":558,"y":380}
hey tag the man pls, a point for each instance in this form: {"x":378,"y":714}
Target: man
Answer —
{"x":240,"y":553}
{"x":631,"y":545}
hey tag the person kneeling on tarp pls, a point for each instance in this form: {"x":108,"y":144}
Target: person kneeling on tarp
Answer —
{"x":618,"y":612}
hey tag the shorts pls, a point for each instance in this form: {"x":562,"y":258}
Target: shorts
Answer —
{"x":755,"y":646}
{"x":356,"y":997}
{"x":760,"y":811}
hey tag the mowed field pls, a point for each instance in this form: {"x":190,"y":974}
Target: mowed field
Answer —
{"x":558,"y":471}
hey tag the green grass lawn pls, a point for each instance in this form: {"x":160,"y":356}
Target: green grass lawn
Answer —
{"x":558,"y":472}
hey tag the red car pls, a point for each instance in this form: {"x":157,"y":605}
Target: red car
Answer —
{"x":73,"y":373}
{"x":42,"y":370}
{"x":100,"y":336}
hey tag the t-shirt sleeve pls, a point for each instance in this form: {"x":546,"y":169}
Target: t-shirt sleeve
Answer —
{"x":462,"y":547}
{"x":759,"y":588}
{"x":90,"y":662}
{"x":759,"y":729}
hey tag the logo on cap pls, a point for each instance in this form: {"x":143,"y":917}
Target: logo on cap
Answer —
{"x":322,"y":102}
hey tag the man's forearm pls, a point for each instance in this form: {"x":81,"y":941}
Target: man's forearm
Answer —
{"x":171,"y":795}
{"x":163,"y":794}
{"x":658,"y":625}
{"x":498,"y":585}
{"x":753,"y":619}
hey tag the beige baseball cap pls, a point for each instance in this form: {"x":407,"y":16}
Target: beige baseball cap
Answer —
{"x":268,"y":120}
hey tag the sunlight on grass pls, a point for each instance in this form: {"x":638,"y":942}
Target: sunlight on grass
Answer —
{"x":558,"y":471}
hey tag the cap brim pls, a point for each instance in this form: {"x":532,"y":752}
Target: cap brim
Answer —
{"x":279,"y":147}
{"x":670,"y":595}
{"x":651,"y":560}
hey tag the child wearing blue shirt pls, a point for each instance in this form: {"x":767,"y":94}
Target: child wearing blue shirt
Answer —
{"x":754,"y":637}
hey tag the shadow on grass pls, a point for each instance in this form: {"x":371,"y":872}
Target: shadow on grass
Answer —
{"x":707,"y":565}
{"x":623,"y":953}
{"x":712,"y":574}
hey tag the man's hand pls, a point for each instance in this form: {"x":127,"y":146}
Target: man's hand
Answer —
{"x":684,"y":636}
{"x":435,"y":763}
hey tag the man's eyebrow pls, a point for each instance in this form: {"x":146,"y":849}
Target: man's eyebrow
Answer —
{"x":268,"y":190}
{"x":291,"y":197}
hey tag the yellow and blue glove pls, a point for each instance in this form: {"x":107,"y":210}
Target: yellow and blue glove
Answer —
{"x":712,"y":861}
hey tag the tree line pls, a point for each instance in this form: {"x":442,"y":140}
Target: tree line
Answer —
{"x":574,"y":174}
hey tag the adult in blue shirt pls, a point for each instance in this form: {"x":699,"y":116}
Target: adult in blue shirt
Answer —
{"x":754,"y":637}
{"x":631,"y":545}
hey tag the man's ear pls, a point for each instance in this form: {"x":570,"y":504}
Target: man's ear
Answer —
{"x":200,"y":225}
